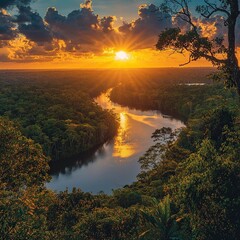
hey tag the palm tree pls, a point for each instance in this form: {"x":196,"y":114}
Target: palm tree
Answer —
{"x":163,"y":225}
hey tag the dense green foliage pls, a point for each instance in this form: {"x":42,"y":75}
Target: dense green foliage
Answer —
{"x":163,"y":225}
{"x":201,"y":169}
{"x":57,"y":113}
{"x":18,"y":154}
{"x":23,"y":199}
{"x":188,"y":188}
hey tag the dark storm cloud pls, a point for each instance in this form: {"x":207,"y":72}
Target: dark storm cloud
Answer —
{"x":32,"y":25}
{"x":25,"y":14}
{"x":81,"y":30}
{"x":178,"y":22}
{"x":79,"y":25}
{"x":107,"y":23}
{"x":9,"y":3}
{"x":26,"y":22}
{"x":126,"y":27}
{"x":7,"y":31}
{"x":145,"y":30}
{"x":151,"y":21}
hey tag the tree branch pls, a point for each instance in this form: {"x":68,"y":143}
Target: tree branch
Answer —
{"x":215,"y":9}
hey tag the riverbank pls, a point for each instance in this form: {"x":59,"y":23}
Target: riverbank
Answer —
{"x":103,"y":169}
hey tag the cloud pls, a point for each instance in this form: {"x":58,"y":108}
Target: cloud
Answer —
{"x":152,"y":21}
{"x":145,"y":30}
{"x":8,"y":3}
{"x":83,"y":33}
{"x":107,"y":23}
{"x":178,"y":22}
{"x":80,"y":33}
{"x":7,"y":27}
{"x":213,"y":27}
{"x":32,"y":25}
{"x":24,"y":22}
{"x":77,"y":26}
{"x":82,"y":30}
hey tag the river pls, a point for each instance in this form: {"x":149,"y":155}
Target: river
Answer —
{"x":115,"y":164}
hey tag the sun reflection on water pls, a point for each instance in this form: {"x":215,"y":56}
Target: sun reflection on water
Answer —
{"x":136,"y":127}
{"x":123,"y":148}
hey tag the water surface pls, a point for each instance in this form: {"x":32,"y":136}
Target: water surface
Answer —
{"x":115,"y":164}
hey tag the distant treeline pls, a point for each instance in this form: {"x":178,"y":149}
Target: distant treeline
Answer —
{"x":170,"y":91}
{"x":174,"y":100}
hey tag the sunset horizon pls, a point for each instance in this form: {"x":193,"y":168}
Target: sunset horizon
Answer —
{"x":39,"y":35}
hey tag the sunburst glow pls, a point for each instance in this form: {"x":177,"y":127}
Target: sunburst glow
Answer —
{"x":121,"y":56}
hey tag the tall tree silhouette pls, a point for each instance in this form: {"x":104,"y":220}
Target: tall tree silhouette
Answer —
{"x":221,"y":52}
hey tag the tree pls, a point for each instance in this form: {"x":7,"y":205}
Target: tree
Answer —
{"x":126,"y":198}
{"x":22,"y":163}
{"x":162,"y":222}
{"x":23,"y":198}
{"x":219,"y":52}
{"x":206,"y":189}
{"x":23,"y":214}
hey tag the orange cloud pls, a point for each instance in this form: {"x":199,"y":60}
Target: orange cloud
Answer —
{"x":83,"y":39}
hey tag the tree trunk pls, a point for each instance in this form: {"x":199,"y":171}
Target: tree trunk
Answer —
{"x":232,"y":58}
{"x":238,"y":81}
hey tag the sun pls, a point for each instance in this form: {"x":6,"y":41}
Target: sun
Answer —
{"x":121,"y":56}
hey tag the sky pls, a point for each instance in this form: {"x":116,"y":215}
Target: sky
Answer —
{"x":90,"y":33}
{"x":128,"y":9}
